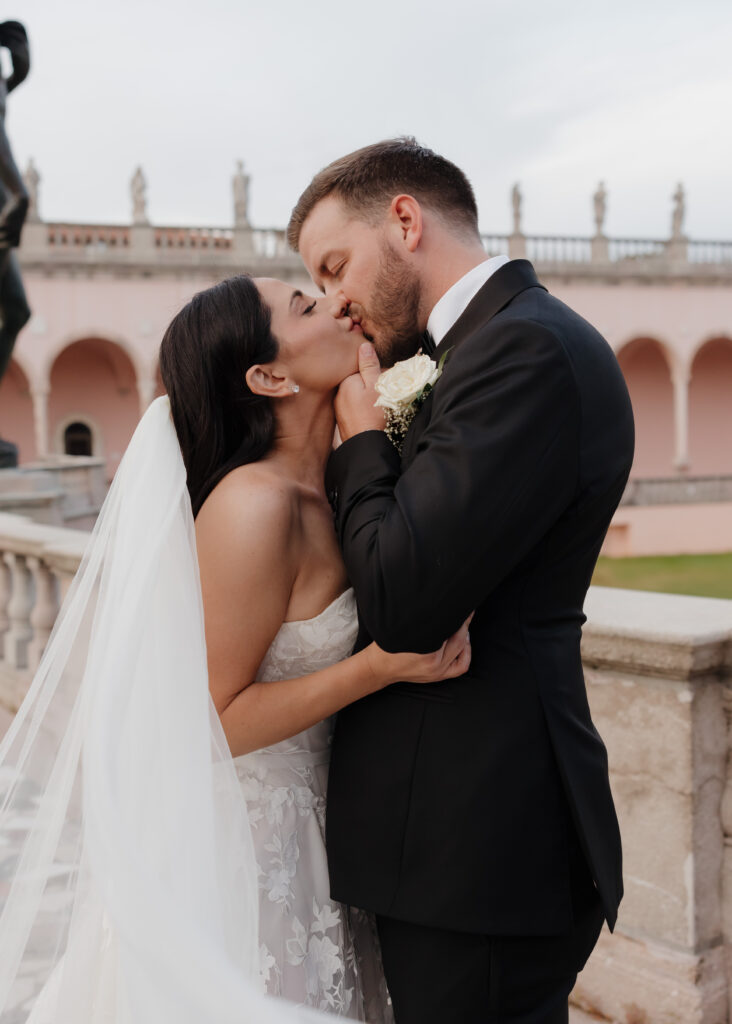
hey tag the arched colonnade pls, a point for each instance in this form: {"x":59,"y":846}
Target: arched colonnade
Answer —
{"x":682,"y":405}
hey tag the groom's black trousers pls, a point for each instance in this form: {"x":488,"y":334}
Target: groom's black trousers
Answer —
{"x":443,"y":977}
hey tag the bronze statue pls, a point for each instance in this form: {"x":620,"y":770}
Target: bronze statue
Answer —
{"x":14,"y":310}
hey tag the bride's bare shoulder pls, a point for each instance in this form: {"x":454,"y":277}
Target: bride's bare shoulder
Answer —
{"x":252,"y":501}
{"x":248,"y":557}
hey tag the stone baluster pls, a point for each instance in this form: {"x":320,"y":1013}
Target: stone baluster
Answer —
{"x":44,"y":611}
{"x":19,"y":609}
{"x":5,"y":592}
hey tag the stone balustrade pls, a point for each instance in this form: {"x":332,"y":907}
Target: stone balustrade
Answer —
{"x":228,"y":249}
{"x":659,"y":677}
{"x":37,"y":564}
{"x":131,"y":246}
{"x":690,"y":490}
{"x":617,"y":257}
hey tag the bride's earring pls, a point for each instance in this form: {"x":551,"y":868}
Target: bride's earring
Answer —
{"x":295,"y":388}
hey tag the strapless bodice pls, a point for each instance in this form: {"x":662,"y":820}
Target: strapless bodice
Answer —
{"x":307,"y":645}
{"x":299,"y":648}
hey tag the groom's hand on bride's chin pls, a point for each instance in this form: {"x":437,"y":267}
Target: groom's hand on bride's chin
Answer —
{"x":354,"y":403}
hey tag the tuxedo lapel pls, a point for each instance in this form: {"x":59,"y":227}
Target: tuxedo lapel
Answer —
{"x":500,"y":288}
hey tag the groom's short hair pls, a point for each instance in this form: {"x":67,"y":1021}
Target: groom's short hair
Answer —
{"x":367,"y":180}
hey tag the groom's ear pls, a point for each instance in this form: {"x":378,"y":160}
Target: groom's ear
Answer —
{"x":406,"y":218}
{"x":262,"y":380}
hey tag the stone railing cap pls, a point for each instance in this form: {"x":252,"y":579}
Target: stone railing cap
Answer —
{"x":20,"y":535}
{"x":671,"y":635}
{"x":669,"y":617}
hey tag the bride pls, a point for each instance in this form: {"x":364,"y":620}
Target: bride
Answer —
{"x":165,"y":777}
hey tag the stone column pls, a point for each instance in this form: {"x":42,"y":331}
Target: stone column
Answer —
{"x":142,"y":242}
{"x":600,"y":250}
{"x":680,"y":377}
{"x":34,"y":241}
{"x":517,"y":247}
{"x":243,"y":243}
{"x":678,"y":251}
{"x":39,"y":396}
{"x":146,"y":391}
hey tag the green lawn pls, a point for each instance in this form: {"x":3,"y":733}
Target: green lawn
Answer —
{"x":706,"y":575}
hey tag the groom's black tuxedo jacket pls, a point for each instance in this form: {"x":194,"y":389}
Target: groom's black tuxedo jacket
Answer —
{"x":458,"y":804}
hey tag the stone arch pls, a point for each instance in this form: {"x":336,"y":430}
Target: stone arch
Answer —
{"x":647,"y":367}
{"x":710,"y":408}
{"x":94,"y":380}
{"x":100,"y":333}
{"x":16,"y":411}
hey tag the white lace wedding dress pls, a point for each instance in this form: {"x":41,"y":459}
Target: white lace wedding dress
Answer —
{"x":313,"y":951}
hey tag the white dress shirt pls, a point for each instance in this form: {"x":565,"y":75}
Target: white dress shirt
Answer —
{"x":454,"y":302}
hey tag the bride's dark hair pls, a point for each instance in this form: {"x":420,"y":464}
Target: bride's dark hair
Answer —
{"x":204,"y":356}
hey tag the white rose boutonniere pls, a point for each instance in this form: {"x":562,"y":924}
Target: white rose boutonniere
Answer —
{"x":402,"y":389}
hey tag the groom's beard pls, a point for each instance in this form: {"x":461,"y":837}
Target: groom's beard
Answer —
{"x":394,"y":309}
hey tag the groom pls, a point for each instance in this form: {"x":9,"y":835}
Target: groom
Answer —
{"x":473,"y":816}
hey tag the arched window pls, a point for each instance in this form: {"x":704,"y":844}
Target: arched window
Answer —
{"x":78,"y":439}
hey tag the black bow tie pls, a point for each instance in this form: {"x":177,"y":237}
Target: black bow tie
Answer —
{"x":428,"y":343}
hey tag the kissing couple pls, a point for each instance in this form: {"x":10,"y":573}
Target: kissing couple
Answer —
{"x":263,"y":623}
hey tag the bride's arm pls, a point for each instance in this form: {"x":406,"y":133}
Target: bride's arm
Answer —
{"x":245,"y":538}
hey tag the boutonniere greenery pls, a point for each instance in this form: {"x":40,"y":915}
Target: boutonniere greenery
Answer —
{"x":402,"y":389}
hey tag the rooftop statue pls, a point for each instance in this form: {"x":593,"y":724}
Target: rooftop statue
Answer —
{"x":599,"y":201}
{"x":677,"y":218}
{"x":32,"y":180}
{"x":138,"y":191}
{"x":240,"y":189}
{"x":516,"y":201}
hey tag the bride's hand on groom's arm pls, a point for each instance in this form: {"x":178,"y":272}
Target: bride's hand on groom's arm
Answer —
{"x":354,"y":404}
{"x":451,"y":660}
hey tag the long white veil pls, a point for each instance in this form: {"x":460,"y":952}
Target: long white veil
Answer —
{"x":133,"y":892}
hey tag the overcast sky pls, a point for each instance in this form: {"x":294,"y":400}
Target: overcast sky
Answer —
{"x":555,"y":94}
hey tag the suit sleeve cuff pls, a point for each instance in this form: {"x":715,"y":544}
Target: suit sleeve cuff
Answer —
{"x":365,"y":457}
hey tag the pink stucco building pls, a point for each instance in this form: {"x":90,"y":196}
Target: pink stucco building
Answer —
{"x":85,"y":366}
